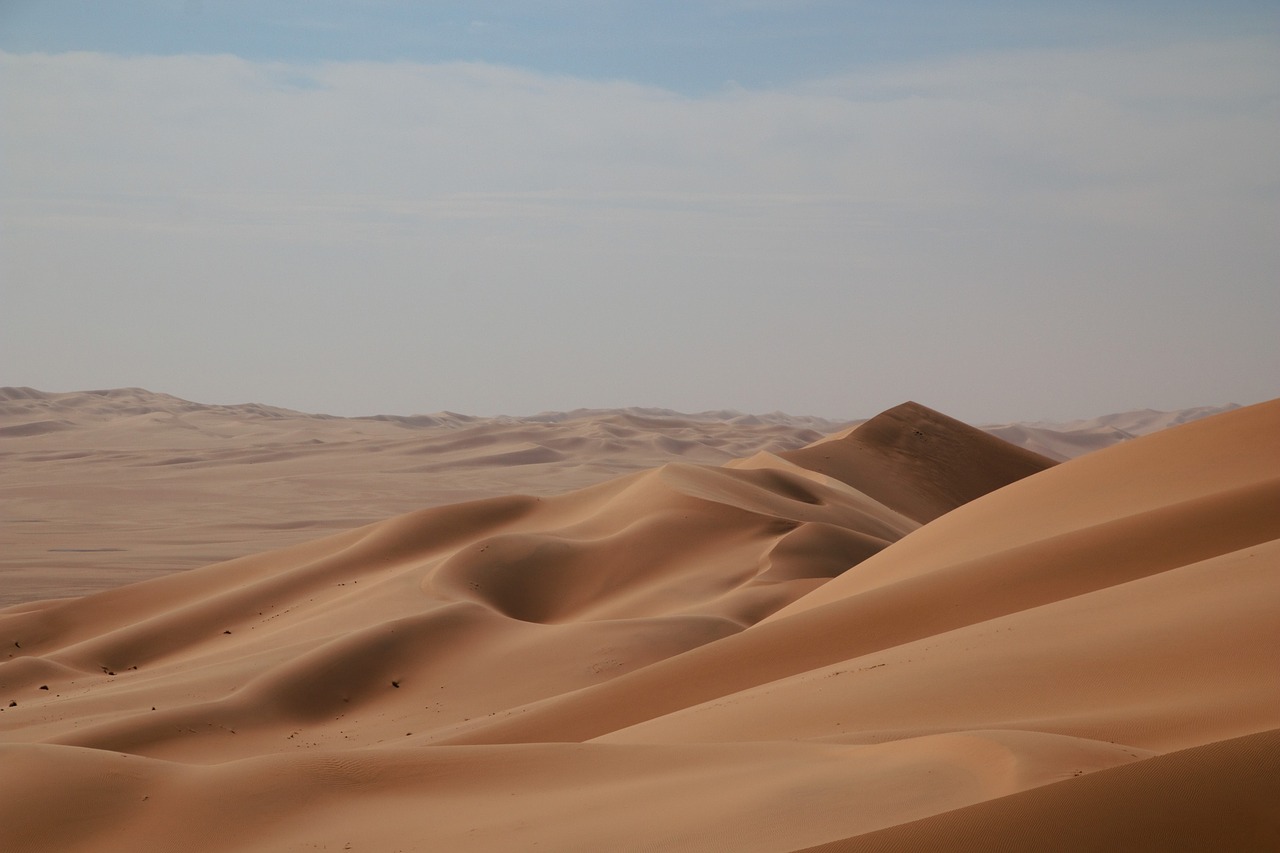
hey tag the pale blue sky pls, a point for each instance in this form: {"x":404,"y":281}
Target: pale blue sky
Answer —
{"x":689,"y":46}
{"x":1002,"y":210}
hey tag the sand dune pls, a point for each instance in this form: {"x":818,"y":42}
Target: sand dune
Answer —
{"x":1220,"y":796}
{"x":920,"y":461}
{"x":907,"y":636}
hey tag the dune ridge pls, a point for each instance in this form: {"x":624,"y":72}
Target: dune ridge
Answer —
{"x":908,"y":635}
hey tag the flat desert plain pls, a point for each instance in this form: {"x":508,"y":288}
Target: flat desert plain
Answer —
{"x":634,"y":630}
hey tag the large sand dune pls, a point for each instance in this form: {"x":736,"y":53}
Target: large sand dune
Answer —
{"x":907,"y":636}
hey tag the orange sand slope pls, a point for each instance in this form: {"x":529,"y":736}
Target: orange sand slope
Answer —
{"x":911,"y":637}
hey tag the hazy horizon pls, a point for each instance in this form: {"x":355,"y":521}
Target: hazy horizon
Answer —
{"x":818,"y":208}
{"x":710,"y":414}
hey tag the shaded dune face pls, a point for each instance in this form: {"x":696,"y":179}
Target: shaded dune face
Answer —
{"x":920,"y":462}
{"x":895,"y":638}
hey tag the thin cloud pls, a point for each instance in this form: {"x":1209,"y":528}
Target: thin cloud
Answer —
{"x":910,"y":196}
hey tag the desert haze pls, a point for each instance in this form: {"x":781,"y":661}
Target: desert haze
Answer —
{"x":635,"y":630}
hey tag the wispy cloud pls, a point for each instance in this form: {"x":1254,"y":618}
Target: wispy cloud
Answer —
{"x":1172,"y":121}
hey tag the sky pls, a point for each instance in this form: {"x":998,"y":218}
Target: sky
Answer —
{"x":1003,"y":210}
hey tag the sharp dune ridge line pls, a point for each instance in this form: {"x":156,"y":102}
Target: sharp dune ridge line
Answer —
{"x":906,"y":635}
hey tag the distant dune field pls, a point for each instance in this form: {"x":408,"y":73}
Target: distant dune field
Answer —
{"x":103,"y":488}
{"x":635,"y":630}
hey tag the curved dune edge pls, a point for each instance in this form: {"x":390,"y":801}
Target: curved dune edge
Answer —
{"x":905,"y":639}
{"x":1220,"y":796}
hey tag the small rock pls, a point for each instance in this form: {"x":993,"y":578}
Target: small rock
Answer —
{"x":44,"y":687}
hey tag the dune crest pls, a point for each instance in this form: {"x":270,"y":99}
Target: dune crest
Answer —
{"x":919,"y":461}
{"x":901,"y":637}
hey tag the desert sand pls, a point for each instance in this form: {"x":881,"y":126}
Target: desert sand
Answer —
{"x":673,"y":634}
